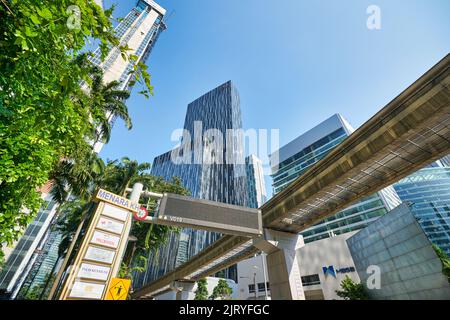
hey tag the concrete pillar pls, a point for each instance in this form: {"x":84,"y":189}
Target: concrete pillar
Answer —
{"x":181,"y":287}
{"x":282,"y":263}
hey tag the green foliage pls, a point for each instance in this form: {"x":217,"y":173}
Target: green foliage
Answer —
{"x":202,"y":291}
{"x":2,"y":260}
{"x":44,"y":114}
{"x":120,"y":175}
{"x":351,"y":290}
{"x":37,"y":292}
{"x":124,"y":272}
{"x":39,"y":120}
{"x":70,"y":216}
{"x":222,"y":291}
{"x":77,"y":176}
{"x":445,"y":260}
{"x":34,"y":293}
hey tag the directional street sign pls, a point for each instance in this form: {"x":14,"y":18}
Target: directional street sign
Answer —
{"x":118,"y":289}
{"x":188,"y":212}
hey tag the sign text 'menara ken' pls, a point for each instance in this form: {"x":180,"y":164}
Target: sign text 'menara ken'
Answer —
{"x":117,"y":200}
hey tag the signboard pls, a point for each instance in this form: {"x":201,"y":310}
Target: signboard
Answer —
{"x":99,"y":255}
{"x":183,"y":211}
{"x":118,"y":289}
{"x":116,"y":200}
{"x":110,"y":225}
{"x":93,"y":271}
{"x":87,"y":290}
{"x":105,"y":239}
{"x":115,"y":212}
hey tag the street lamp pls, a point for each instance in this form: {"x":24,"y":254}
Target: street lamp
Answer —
{"x":254,"y":283}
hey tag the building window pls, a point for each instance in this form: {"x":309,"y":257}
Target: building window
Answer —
{"x":261,"y":287}
{"x":251,"y":288}
{"x":310,"y":280}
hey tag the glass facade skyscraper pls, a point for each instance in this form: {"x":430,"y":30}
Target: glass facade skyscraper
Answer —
{"x":428,"y":192}
{"x":256,"y":185}
{"x":44,"y":266}
{"x":303,"y":152}
{"x":207,"y":171}
{"x":23,"y":255}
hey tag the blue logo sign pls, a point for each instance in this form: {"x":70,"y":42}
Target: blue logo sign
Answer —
{"x":331,"y":271}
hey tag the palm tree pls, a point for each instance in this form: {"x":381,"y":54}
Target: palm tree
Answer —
{"x":78,"y":175}
{"x":108,"y":103}
{"x":119,"y":176}
{"x":80,"y":179}
{"x":77,"y":172}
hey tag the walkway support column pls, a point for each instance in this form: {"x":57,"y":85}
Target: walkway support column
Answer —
{"x":182,"y":286}
{"x":282,"y":263}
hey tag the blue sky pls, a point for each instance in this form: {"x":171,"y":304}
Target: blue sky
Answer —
{"x":294,"y":62}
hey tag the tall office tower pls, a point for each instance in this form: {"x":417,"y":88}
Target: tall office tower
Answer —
{"x":24,"y":254}
{"x":208,"y":172}
{"x":139,"y":30}
{"x":428,"y":192}
{"x":256,"y":185}
{"x":43,"y":269}
{"x":303,"y":152}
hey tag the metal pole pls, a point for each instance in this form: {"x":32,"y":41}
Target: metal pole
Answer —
{"x":254,"y":282}
{"x":263,"y":258}
{"x":136,"y":192}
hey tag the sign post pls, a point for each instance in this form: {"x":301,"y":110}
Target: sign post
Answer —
{"x":102,"y":248}
{"x":98,"y":260}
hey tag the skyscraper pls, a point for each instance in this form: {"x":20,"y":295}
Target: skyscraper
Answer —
{"x":43,"y":268}
{"x":428,"y":192}
{"x":207,"y":171}
{"x":139,"y":30}
{"x":303,"y":152}
{"x":256,"y":185}
{"x":24,"y":253}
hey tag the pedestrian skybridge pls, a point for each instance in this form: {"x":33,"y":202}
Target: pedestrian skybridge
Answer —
{"x":410,"y":132}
